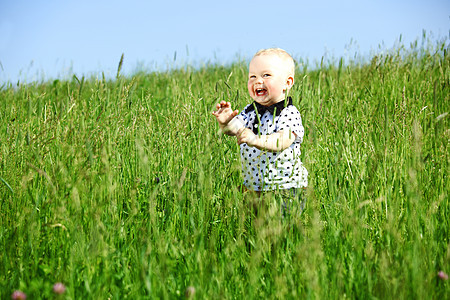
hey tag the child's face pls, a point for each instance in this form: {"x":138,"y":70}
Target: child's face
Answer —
{"x":269,"y":79}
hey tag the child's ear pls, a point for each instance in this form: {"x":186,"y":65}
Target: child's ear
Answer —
{"x":289,"y":82}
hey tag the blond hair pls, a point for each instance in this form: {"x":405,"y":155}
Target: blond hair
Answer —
{"x":290,"y":63}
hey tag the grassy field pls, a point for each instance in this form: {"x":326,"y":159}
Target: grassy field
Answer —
{"x":125,"y":189}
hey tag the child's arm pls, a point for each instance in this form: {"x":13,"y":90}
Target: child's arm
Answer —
{"x":225,"y":116}
{"x":274,"y":142}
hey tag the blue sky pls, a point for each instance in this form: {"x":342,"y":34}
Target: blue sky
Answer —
{"x":41,"y":40}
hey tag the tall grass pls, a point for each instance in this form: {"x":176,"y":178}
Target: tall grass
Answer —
{"x":125,"y":188}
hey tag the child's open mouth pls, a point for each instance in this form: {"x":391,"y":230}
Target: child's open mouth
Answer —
{"x":260,"y":92}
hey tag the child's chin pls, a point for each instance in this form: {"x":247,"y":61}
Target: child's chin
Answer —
{"x":262,"y":100}
{"x":265,"y":101}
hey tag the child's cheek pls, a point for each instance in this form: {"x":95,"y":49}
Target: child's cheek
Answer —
{"x":250,"y":88}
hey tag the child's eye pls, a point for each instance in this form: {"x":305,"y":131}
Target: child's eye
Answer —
{"x":266,"y":75}
{"x":252,"y":76}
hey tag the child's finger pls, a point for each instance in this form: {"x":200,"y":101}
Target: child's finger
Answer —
{"x":217,"y":109}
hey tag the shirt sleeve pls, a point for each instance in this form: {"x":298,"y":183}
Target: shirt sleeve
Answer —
{"x":243,"y":116}
{"x":290,"y":119}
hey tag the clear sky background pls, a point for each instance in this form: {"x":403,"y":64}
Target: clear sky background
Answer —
{"x":42,"y":40}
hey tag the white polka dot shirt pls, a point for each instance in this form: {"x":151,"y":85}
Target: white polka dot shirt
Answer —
{"x":264,"y":170}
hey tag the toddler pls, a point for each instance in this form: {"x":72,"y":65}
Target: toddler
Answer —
{"x":269,"y":130}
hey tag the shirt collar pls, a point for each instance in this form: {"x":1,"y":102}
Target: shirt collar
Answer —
{"x":274,"y":109}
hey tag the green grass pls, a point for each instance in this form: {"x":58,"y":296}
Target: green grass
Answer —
{"x":124,"y":188}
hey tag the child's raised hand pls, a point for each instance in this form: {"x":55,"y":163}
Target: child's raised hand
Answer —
{"x":224,"y":114}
